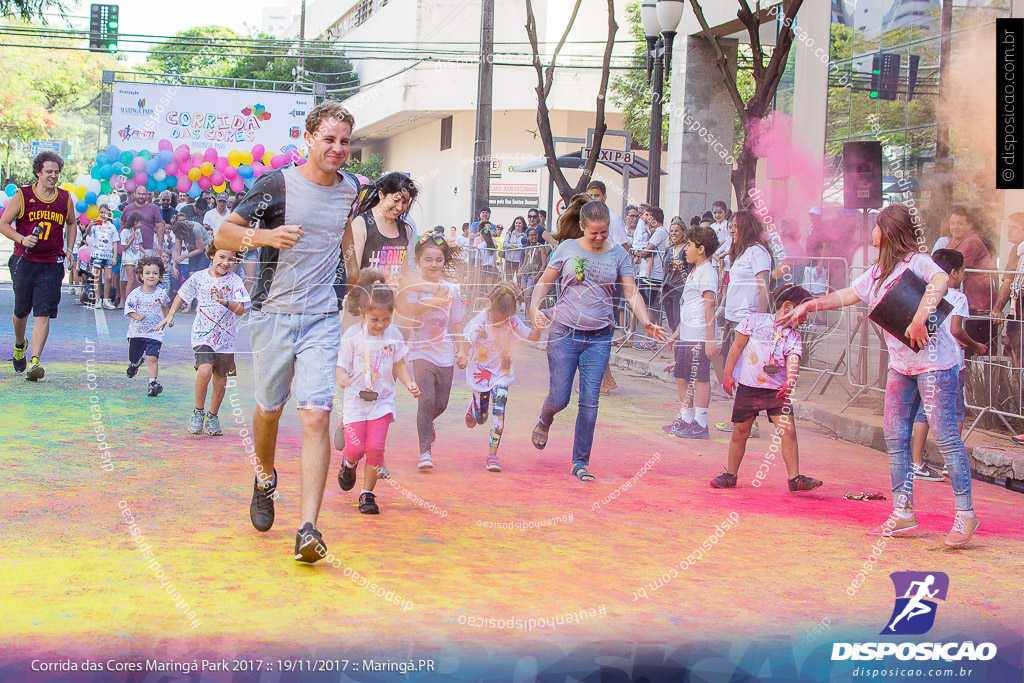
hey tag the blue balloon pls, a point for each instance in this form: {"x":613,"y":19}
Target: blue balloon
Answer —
{"x":94,"y":172}
{"x":101,"y":158}
{"x":117,"y":222}
{"x":249,"y":182}
{"x":106,"y":171}
{"x":161,"y":185}
{"x":245,"y":170}
{"x":11,"y":189}
{"x":81,"y":206}
{"x":152,"y":166}
{"x":166,"y":156}
{"x":194,"y":191}
{"x":90,"y":198}
{"x":151,"y":185}
{"x":113,"y":152}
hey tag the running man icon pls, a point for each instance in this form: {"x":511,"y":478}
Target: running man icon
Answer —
{"x":914,"y":612}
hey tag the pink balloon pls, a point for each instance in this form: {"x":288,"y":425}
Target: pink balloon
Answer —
{"x":181,"y":153}
{"x":197,"y":159}
{"x":184,"y":183}
{"x":171,"y":168}
{"x":210,"y":155}
{"x":117,"y":182}
{"x":204,"y":182}
{"x":278,"y":161}
{"x":258,"y":168}
{"x":230,"y":172}
{"x":129,"y":186}
{"x":220,"y":164}
{"x":216,"y":178}
{"x":138,"y":163}
{"x":257,"y":151}
{"x":141,"y":178}
{"x":83,"y":219}
{"x":164,"y":144}
{"x":237,"y":183}
{"x":300,"y":161}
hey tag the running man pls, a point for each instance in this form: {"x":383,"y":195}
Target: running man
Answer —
{"x":916,"y":607}
{"x":45,"y":234}
{"x":297,"y":216}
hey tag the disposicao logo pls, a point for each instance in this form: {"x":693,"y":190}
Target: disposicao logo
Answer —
{"x":917,"y":594}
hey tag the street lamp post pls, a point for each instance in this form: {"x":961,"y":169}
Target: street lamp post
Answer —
{"x":660,"y":19}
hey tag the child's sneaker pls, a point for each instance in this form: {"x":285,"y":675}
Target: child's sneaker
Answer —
{"x":926,"y":473}
{"x":108,"y":304}
{"x":133,"y":369}
{"x":19,"y":356}
{"x":723,"y":426}
{"x":696,"y":431}
{"x":724,"y":480}
{"x":212,"y":425}
{"x":676,"y":425}
{"x":346,"y":477}
{"x":195,"y":425}
{"x":802,"y":483}
{"x":896,"y":525}
{"x":154,"y":388}
{"x":492,"y":464}
{"x":368,"y":504}
{"x":963,"y":528}
{"x":425,"y":462}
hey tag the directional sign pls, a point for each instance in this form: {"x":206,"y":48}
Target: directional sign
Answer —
{"x":615,"y":156}
{"x":58,"y":146}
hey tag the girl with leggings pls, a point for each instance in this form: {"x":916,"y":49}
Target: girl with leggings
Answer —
{"x":589,"y":267}
{"x":434,"y":308}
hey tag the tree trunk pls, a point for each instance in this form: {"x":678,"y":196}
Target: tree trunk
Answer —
{"x":743,"y":176}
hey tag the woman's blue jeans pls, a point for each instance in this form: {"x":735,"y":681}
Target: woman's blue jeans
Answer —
{"x":936,"y":391}
{"x":569,"y":349}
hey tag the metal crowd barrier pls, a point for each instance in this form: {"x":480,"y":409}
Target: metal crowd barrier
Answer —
{"x":476,"y":280}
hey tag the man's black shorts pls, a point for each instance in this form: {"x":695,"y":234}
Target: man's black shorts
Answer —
{"x":36,"y":287}
{"x":223,"y":363}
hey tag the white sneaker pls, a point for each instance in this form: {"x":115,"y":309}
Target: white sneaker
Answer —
{"x":73,"y":291}
{"x":383,"y":473}
{"x":108,"y":304}
{"x":425,"y":462}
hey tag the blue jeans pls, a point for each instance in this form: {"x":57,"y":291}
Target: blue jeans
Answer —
{"x":569,"y":349}
{"x":937,"y":391}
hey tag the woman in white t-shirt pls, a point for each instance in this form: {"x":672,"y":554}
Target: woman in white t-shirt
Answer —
{"x":925,"y":373}
{"x":750,"y":264}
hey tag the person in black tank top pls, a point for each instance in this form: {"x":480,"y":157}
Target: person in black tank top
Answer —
{"x":379,"y":213}
{"x":387,"y":254}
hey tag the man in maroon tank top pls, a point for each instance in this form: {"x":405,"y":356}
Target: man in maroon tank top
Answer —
{"x":41,"y":220}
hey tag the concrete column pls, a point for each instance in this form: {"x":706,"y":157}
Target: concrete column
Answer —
{"x":700,"y":138}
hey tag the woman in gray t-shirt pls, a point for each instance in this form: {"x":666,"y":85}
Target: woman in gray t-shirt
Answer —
{"x":590,"y":268}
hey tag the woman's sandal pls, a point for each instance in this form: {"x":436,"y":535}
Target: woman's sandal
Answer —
{"x":539,"y":438}
{"x":580,"y":472}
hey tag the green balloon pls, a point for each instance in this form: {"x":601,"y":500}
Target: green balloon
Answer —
{"x":105,"y":186}
{"x":145,"y":154}
{"x":117,"y":214}
{"x":125,"y":158}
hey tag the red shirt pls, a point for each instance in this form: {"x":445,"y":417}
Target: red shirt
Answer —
{"x":51,"y":217}
{"x":977,"y":286}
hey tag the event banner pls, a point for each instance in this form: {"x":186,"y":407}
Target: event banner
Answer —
{"x":219,"y":118}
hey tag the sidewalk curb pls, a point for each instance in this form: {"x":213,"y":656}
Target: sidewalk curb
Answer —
{"x":986,"y":462}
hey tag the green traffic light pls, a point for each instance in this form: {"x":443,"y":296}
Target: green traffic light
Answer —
{"x":112,"y":47}
{"x":876,"y":71}
{"x":112,"y":24}
{"x":874,"y":94}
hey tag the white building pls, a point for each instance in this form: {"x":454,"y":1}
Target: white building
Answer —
{"x":276,"y":20}
{"x":419,"y":113}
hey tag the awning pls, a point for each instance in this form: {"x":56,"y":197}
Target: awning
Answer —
{"x":637,"y":169}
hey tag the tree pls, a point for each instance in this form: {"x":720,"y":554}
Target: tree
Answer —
{"x":278,"y":64}
{"x":372,"y":168}
{"x":632,"y":91}
{"x":546,"y":78}
{"x":198,"y":51}
{"x":30,"y":10}
{"x":753,"y":111}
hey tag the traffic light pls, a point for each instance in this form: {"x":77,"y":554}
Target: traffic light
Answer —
{"x":103,"y":28}
{"x":885,"y":75}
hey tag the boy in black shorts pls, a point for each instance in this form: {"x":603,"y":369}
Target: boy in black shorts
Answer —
{"x":762,"y":367}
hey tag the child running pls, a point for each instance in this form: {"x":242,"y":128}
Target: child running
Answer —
{"x":147,"y":306}
{"x":103,"y":241}
{"x":762,"y":367}
{"x":372,"y":355}
{"x":435,"y":308}
{"x":952,"y":262}
{"x":696,"y":334}
{"x":491,"y":371}
{"x":221,"y":297}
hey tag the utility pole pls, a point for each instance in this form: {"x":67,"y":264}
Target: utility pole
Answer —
{"x":942,"y":196}
{"x":657,"y":94}
{"x":480,"y":187}
{"x":302,"y":41}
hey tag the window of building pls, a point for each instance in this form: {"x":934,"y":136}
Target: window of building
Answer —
{"x":446,"y":133}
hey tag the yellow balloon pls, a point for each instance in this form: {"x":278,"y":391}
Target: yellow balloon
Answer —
{"x":246,"y":157}
{"x":194,"y":174}
{"x":68,"y":186}
{"x":233,"y":158}
{"x":80,"y":191}
{"x":268,"y":156}
{"x":92,"y":212}
{"x":220,"y":188}
{"x":206,"y":167}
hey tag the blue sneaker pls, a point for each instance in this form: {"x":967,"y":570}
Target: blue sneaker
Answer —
{"x":677,"y":423}
{"x":695,"y":432}
{"x":683,"y":429}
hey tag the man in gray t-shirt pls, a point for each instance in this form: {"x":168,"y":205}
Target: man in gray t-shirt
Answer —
{"x":297,"y":216}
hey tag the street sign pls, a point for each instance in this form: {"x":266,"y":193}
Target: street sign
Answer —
{"x":58,"y":146}
{"x":615,"y":156}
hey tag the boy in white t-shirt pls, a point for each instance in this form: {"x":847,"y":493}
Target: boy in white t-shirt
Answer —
{"x":146,"y":306}
{"x":221,"y":297}
{"x":762,"y":367}
{"x":696,"y":336}
{"x":952,"y":262}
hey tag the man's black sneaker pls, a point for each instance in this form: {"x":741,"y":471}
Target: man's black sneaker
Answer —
{"x":155,"y":388}
{"x":368,"y":504}
{"x":346,"y":477}
{"x":309,"y":544}
{"x":261,"y":509}
{"x":802,"y":483}
{"x":20,"y":362}
{"x":132,"y":370}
